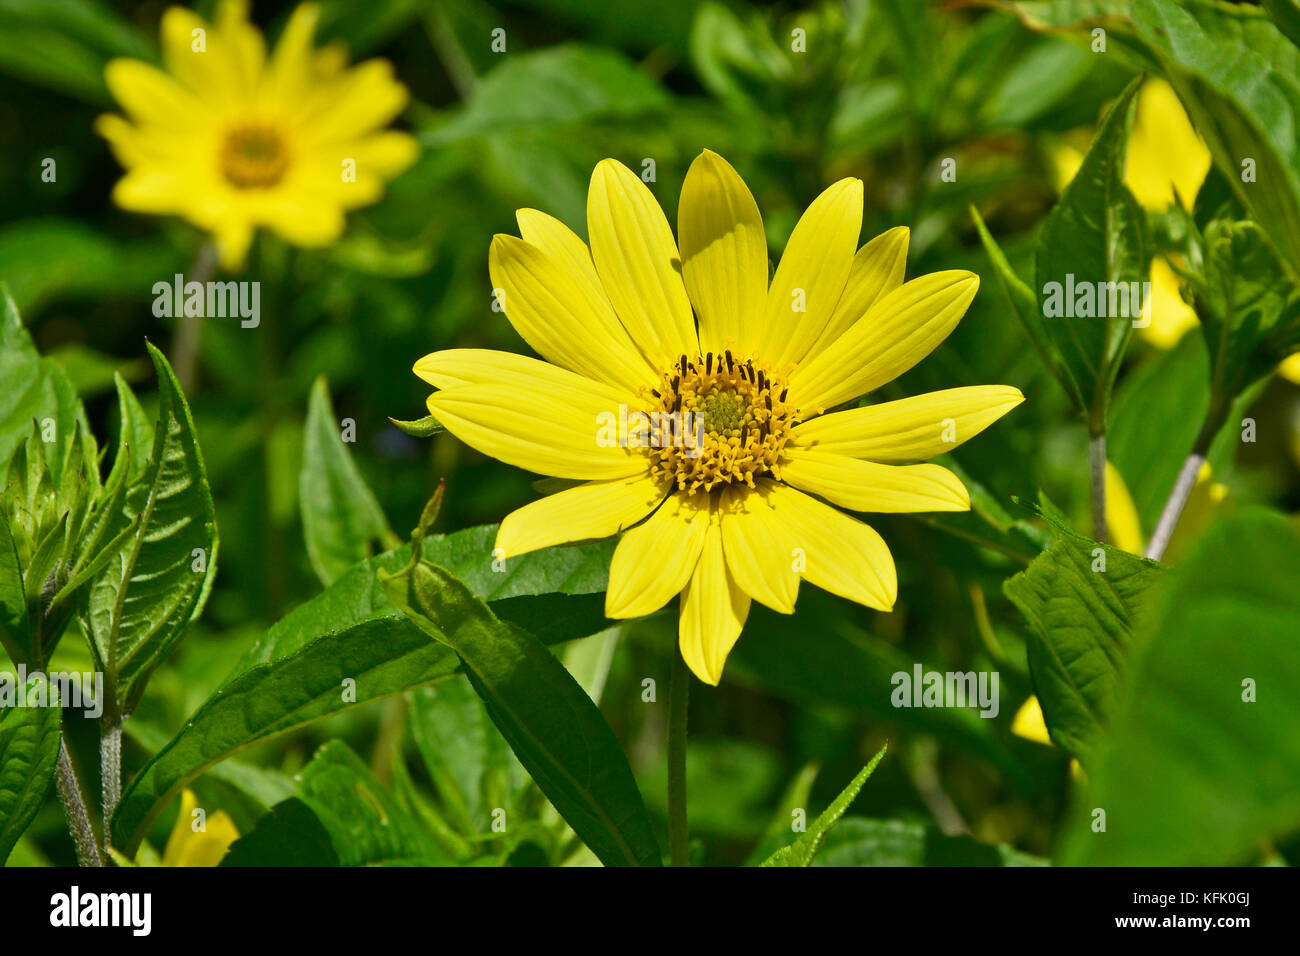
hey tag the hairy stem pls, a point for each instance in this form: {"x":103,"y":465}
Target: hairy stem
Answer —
{"x":110,"y":769}
{"x":1097,"y":472}
{"x":74,"y":807}
{"x":1174,"y":505}
{"x":678,"y":697}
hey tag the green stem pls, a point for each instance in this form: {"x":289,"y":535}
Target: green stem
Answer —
{"x":110,"y":771}
{"x":1097,"y":471}
{"x":83,"y":834}
{"x":678,"y":696}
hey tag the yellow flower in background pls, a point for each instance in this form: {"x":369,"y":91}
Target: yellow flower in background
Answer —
{"x":205,"y":847}
{"x":716,"y":501}
{"x":233,"y":140}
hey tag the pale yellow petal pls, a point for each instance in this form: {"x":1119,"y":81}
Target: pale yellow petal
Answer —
{"x":811,"y":277}
{"x":558,"y":314}
{"x":1122,"y":523}
{"x":1029,"y":724}
{"x":655,"y":559}
{"x":903,"y":327}
{"x":638,"y":263}
{"x":724,"y":251}
{"x":1168,"y":317}
{"x":869,"y":486}
{"x":878,"y":268}
{"x":714,"y":608}
{"x":1165,"y":153}
{"x":760,"y":549}
{"x":549,"y":429}
{"x":597,"y":509}
{"x":910,"y":429}
{"x":834,"y":551}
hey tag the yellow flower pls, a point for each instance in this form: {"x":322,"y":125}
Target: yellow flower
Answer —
{"x":205,"y":847}
{"x":1029,"y":724}
{"x":232,"y":140}
{"x":719,"y":504}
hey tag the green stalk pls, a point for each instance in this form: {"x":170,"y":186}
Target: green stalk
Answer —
{"x":678,"y":696}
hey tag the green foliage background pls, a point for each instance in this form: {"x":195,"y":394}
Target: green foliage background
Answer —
{"x":886,"y":91}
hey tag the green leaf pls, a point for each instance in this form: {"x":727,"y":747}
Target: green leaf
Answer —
{"x":35,"y":388}
{"x":1095,"y":239}
{"x":1236,"y":74}
{"x":365,"y":823}
{"x":290,"y":835}
{"x":1024,"y":305}
{"x":136,"y":610}
{"x":340,"y":517}
{"x":1286,"y":14}
{"x":861,"y":842}
{"x":1187,"y":753}
{"x":29,"y":749}
{"x":419,"y":428}
{"x":15,"y":628}
{"x":802,"y":850}
{"x":1248,"y":309}
{"x":1081,"y":623}
{"x":557,"y":86}
{"x":551,"y":724}
{"x":296,"y":673}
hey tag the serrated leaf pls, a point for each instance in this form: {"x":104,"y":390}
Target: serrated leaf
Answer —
{"x":341,"y":520}
{"x":295,"y":674}
{"x":802,"y":850}
{"x":1081,"y":623}
{"x":555,"y":730}
{"x":136,"y":610}
{"x":1095,"y":237}
{"x":1205,"y":741}
{"x":861,"y":842}
{"x":29,"y":749}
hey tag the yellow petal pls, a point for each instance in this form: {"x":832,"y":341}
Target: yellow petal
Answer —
{"x":714,"y":609}
{"x":563,"y":245}
{"x":549,"y":428}
{"x":811,"y":277}
{"x":359,"y":100}
{"x":205,"y":847}
{"x":903,"y":327}
{"x":724,"y":251}
{"x":638,"y":263}
{"x":597,"y":509}
{"x":1029,"y":723}
{"x":1290,"y":368}
{"x":1165,"y":154}
{"x":561,"y":316}
{"x":245,"y":45}
{"x":1168,"y":316}
{"x":1122,"y":523}
{"x":878,"y":268}
{"x":148,"y":95}
{"x":452,"y":367}
{"x":206,"y":72}
{"x":836,"y":552}
{"x":868,"y":486}
{"x":760,"y":549}
{"x":910,"y":429}
{"x":654,"y":560}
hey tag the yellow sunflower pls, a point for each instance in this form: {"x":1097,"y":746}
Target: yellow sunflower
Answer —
{"x":232,"y":140}
{"x":722,"y":469}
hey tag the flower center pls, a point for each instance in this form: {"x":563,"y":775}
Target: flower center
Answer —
{"x":729,"y":422}
{"x":253,"y":157}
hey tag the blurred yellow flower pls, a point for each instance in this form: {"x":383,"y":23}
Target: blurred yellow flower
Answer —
{"x":204,"y":847}
{"x":232,"y":140}
{"x":706,"y":446}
